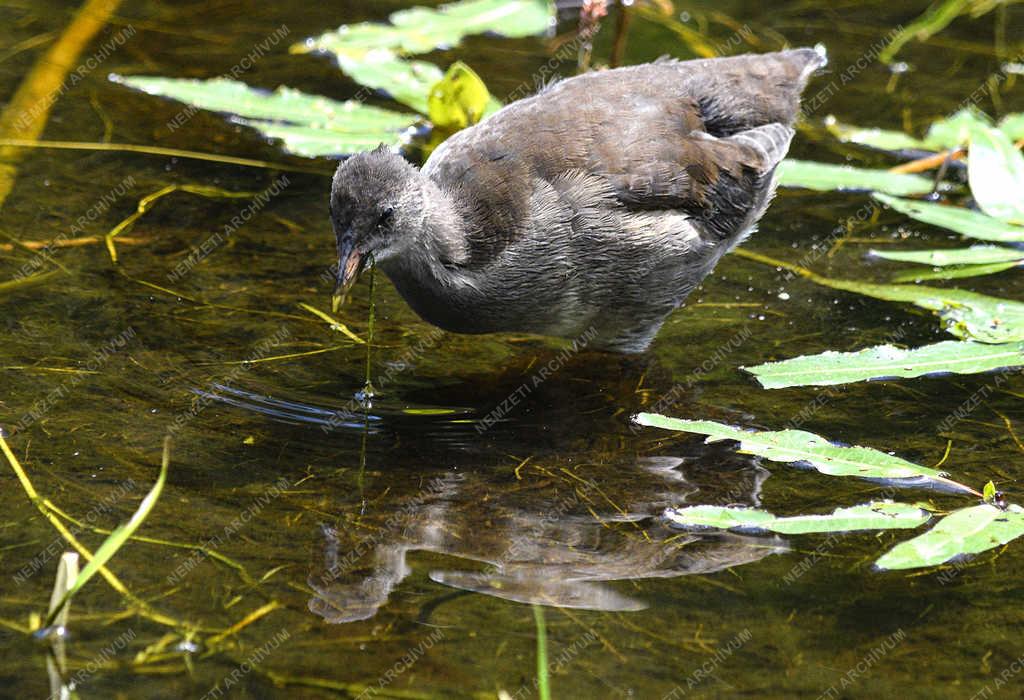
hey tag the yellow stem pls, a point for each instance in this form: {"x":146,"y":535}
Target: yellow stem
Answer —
{"x":25,"y":115}
{"x":161,"y":151}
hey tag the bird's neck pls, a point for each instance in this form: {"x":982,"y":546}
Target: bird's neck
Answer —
{"x":444,"y":227}
{"x":436,"y":254}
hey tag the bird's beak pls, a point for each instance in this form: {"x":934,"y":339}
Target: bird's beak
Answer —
{"x":350,"y":264}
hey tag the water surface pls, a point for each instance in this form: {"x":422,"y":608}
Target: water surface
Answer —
{"x":402,"y":537}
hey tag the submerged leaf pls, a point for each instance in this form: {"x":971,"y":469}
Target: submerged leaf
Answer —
{"x":798,"y":446}
{"x":963,"y":221}
{"x":885,"y":361}
{"x":975,"y":255}
{"x":995,"y":169}
{"x":824,"y":177}
{"x":879,"y":515}
{"x":421,"y":29}
{"x":966,"y":531}
{"x":309,"y":125}
{"x":936,"y":18}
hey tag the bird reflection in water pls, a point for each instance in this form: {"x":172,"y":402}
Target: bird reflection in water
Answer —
{"x":557,"y":541}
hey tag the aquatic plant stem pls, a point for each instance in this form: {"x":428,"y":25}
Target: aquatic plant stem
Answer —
{"x":161,"y":151}
{"x":33,"y":279}
{"x":543,"y":682}
{"x":147,"y":203}
{"x":368,"y":385}
{"x":25,"y":115}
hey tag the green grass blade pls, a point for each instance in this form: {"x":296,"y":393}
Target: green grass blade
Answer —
{"x":117,"y":538}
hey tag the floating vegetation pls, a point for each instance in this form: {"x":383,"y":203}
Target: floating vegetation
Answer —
{"x":374,"y":55}
{"x":825,"y":177}
{"x":888,"y":362}
{"x":880,"y":515}
{"x":800,"y":447}
{"x":421,"y":29}
{"x":961,"y":533}
{"x":115,"y":540}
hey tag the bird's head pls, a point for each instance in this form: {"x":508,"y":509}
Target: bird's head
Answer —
{"x":376,"y":208}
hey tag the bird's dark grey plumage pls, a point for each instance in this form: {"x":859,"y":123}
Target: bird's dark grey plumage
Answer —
{"x":599,"y":203}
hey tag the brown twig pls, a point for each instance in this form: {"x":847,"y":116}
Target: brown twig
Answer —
{"x":929,"y":162}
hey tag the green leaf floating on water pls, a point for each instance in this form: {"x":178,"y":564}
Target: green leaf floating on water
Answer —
{"x":421,"y":29}
{"x":886,"y":361}
{"x":824,"y":177}
{"x":373,"y":53}
{"x":798,"y":446}
{"x":989,"y":492}
{"x":944,"y":134}
{"x":967,"y":531}
{"x":405,"y":81}
{"x":952,"y":273}
{"x":309,"y":125}
{"x":964,"y":221}
{"x":975,"y":255}
{"x":968,"y":315}
{"x":883,"y":139}
{"x":995,"y":169}
{"x":881,"y":515}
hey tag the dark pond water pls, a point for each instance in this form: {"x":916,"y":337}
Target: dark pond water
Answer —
{"x":402,"y":544}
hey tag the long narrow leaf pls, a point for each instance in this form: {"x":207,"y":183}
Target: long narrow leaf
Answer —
{"x":800,"y":447}
{"x":963,"y":221}
{"x":954,"y":273}
{"x":116,"y":539}
{"x":824,"y":177}
{"x":885,"y":361}
{"x":975,"y":255}
{"x":881,"y":515}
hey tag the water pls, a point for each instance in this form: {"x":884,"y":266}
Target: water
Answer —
{"x":399,"y":540}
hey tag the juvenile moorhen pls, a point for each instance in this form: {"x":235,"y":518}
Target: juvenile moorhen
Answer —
{"x":595,"y":206}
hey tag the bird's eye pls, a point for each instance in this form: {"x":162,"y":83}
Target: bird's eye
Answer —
{"x":386,"y":216}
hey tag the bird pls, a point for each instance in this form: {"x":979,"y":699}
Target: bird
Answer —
{"x":591,"y":209}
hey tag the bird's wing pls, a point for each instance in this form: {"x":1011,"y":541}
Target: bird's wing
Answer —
{"x":702,"y":137}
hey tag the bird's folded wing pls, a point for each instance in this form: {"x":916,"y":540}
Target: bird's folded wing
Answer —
{"x":717,"y":181}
